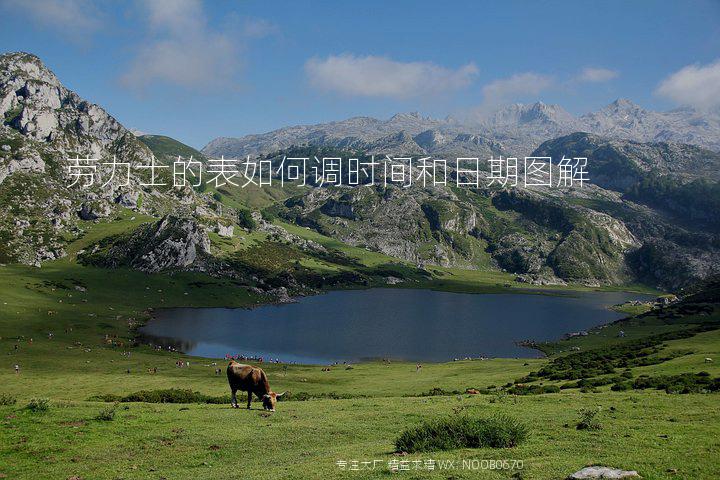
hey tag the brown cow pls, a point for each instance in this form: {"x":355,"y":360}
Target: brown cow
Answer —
{"x":251,"y":380}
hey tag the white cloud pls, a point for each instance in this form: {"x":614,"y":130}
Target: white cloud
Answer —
{"x":174,"y":16}
{"x":182,"y":49}
{"x":74,"y":19}
{"x":186,"y":63}
{"x":695,"y":85}
{"x":520,"y":84}
{"x":258,"y":28}
{"x":372,"y":76}
{"x":591,"y":74}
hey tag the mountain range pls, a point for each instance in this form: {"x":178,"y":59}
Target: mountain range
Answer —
{"x":649,"y":212}
{"x":514,"y":130}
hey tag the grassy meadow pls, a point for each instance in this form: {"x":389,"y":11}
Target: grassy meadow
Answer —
{"x":345,"y":414}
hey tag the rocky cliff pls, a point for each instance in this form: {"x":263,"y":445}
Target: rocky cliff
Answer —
{"x":44,"y":124}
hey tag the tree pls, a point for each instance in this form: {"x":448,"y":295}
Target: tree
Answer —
{"x":245,"y":220}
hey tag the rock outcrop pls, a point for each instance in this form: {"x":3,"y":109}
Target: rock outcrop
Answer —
{"x":173,"y":243}
{"x":599,"y":472}
{"x":44,"y":124}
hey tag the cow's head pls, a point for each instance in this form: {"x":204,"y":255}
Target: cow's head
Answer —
{"x":270,"y":400}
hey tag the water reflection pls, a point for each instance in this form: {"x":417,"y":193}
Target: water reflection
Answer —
{"x":416,"y":325}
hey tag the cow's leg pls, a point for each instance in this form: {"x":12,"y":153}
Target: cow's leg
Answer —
{"x":233,"y":401}
{"x":249,"y":399}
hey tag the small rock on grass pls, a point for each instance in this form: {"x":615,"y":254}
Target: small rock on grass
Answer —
{"x":603,"y":472}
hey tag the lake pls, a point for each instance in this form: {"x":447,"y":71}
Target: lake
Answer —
{"x":414,"y":325}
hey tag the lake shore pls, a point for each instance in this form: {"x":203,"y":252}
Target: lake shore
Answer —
{"x":350,"y":325}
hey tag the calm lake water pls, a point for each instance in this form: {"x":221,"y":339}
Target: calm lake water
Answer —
{"x":415,"y":325}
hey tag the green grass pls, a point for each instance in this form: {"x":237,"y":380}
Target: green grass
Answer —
{"x":94,"y":232}
{"x":632,"y":310}
{"x":252,"y":196}
{"x":306,"y":439}
{"x":364,"y":256}
{"x":166,"y":147}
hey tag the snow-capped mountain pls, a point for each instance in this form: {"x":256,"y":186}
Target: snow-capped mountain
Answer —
{"x":627,"y":120}
{"x":516,"y":129}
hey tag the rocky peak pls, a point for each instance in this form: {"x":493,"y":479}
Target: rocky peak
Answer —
{"x":626,"y":120}
{"x":622,"y":109}
{"x":429,"y":139}
{"x":624,"y":104}
{"x":26,"y":65}
{"x":406,"y":116}
{"x":36,"y":104}
{"x":520,"y":114}
{"x":44,"y":123}
{"x":400,"y":143}
{"x":542,"y":112}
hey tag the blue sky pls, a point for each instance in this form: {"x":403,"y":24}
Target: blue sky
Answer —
{"x":196,"y":70}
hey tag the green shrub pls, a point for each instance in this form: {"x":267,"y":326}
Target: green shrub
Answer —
{"x":595,"y":382}
{"x":245,"y":220}
{"x":172,"y":395}
{"x":38,"y":405}
{"x":533,"y":389}
{"x":621,"y":387}
{"x":107,"y":414}
{"x":439,"y":392}
{"x":589,"y":420}
{"x":301,"y":396}
{"x":682,"y":383}
{"x":589,"y":390}
{"x":498,"y":396}
{"x":604,"y":361}
{"x":107,"y":397}
{"x":462,"y":432}
{"x":268,"y":216}
{"x":304,"y":396}
{"x":7,"y":399}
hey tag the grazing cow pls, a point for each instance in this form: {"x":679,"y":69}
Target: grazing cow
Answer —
{"x":708,"y":360}
{"x":251,"y":380}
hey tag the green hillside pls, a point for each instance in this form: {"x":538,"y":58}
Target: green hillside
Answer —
{"x":167,"y":148}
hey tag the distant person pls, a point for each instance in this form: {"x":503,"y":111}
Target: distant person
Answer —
{"x":418,"y":367}
{"x":17,"y":369}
